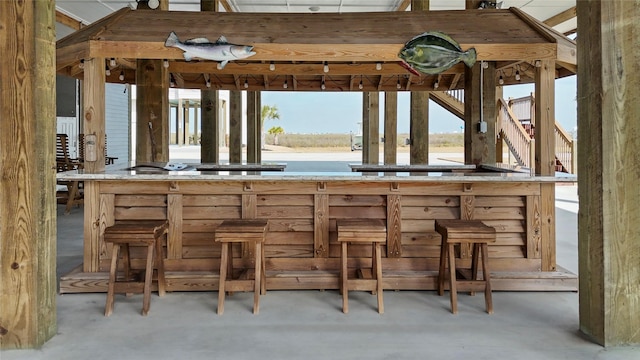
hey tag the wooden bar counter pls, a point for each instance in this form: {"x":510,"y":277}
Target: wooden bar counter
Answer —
{"x":301,"y":245}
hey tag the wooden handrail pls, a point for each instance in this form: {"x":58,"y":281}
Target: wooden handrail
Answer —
{"x":514,"y":134}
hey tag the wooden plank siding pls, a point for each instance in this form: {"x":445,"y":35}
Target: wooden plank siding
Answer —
{"x":301,"y":245}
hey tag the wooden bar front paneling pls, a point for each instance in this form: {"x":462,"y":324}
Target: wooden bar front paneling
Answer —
{"x":301,"y":247}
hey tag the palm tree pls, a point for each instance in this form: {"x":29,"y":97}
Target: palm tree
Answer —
{"x":275,"y":131}
{"x":267,"y":113}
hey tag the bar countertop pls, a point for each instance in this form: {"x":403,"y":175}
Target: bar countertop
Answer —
{"x":189,"y":172}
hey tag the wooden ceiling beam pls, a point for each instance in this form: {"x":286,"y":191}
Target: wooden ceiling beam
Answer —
{"x":320,"y":52}
{"x":296,"y":69}
{"x":561,"y":17}
{"x":68,"y":21}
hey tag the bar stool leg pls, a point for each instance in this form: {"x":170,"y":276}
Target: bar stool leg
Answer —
{"x":452,"y":279}
{"x":443,"y":266}
{"x":258,"y":276}
{"x":487,"y":278}
{"x":223,"y":276}
{"x":159,"y":259}
{"x":344,"y":274}
{"x":108,"y":308}
{"x":378,"y":269}
{"x":148,"y":278}
{"x":263,"y":280}
{"x":475,"y":254}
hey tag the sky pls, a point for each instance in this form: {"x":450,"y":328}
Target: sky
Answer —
{"x":340,"y":112}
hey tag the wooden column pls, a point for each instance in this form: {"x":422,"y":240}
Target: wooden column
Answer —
{"x":94,"y":109}
{"x":545,"y":118}
{"x":180,"y":123}
{"x":254,"y":127}
{"x":187,"y":121}
{"x":609,"y":163}
{"x":480,"y":105}
{"x":235,"y":126}
{"x":499,"y":140}
{"x":27,"y":204}
{"x":370,"y":127}
{"x":152,"y":108}
{"x":390,"y":127}
{"x":152,"y":111}
{"x":210,"y":138}
{"x":419,"y":116}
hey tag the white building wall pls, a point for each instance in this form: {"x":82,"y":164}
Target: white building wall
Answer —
{"x":117,"y":122}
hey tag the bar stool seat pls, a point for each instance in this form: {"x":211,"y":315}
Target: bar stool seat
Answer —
{"x":362,"y":231}
{"x":477,"y":234}
{"x":147,"y":233}
{"x":241,"y":231}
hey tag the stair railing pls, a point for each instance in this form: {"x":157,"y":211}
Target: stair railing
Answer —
{"x":514,"y":134}
{"x":564,"y":148}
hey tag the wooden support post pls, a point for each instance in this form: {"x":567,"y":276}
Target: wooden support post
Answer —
{"x":390,"y":127}
{"x":419,"y":116}
{"x":27,"y":204}
{"x":253,"y":127}
{"x":480,"y":106}
{"x":94,"y":109}
{"x":210,"y":137}
{"x":609,"y":159}
{"x":187,"y":122}
{"x":152,"y":111}
{"x":321,"y":226}
{"x":370,"y":128}
{"x":545,"y":118}
{"x":235,"y":126}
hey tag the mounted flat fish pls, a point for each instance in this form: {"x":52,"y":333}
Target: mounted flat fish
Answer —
{"x":434,"y":52}
{"x":202,"y":48}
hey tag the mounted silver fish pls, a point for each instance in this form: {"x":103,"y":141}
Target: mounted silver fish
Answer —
{"x":433,"y":53}
{"x":202,"y":48}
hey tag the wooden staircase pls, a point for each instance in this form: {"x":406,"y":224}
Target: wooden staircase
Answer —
{"x":515,"y":127}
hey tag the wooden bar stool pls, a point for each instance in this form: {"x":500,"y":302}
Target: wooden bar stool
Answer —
{"x":477,"y":234}
{"x":145,"y":232}
{"x":362,"y":231}
{"x":241,"y":231}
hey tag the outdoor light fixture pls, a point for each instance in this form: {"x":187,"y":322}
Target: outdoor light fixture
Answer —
{"x":326,"y":67}
{"x":108,"y":71}
{"x":435,"y":85}
{"x":285,"y":85}
{"x":112,"y":62}
{"x":378,"y":66}
{"x":360,"y":86}
{"x":172,"y":81}
{"x":208,"y":83}
{"x":272,"y":66}
{"x":246,"y":83}
{"x":121,"y":77}
{"x":517,"y":75}
{"x":81,"y":66}
{"x":501,"y":80}
{"x":398,"y":86}
{"x":322,"y":86}
{"x":165,"y":63}
{"x":219,"y":66}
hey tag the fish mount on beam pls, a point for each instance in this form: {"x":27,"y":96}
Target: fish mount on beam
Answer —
{"x":433,"y":53}
{"x":202,"y":48}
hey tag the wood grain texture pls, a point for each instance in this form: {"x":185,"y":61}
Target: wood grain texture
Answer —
{"x":27,"y":215}
{"x":419,"y":128}
{"x":608,"y":187}
{"x":235,"y":127}
{"x":545,"y":119}
{"x":152,"y":107}
{"x":390,"y":127}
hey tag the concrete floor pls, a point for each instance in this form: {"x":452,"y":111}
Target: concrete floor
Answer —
{"x":311,"y":325}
